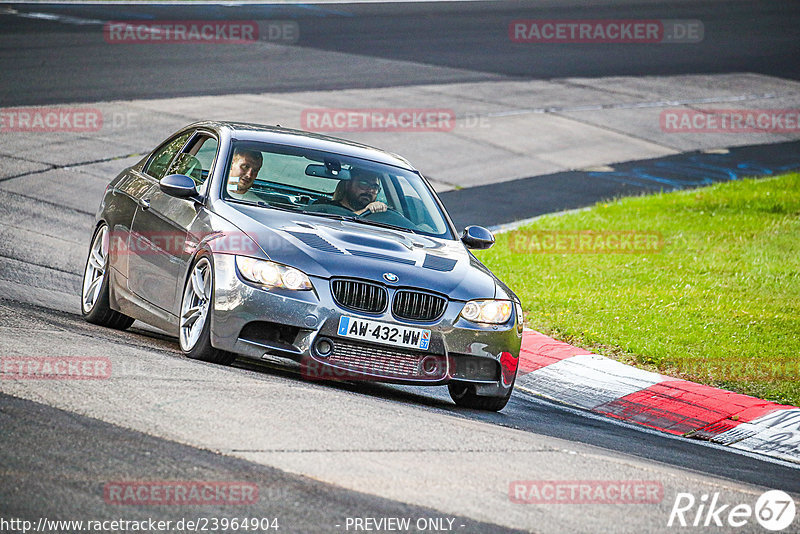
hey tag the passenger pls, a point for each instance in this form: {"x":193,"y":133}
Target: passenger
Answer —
{"x":358,"y":194}
{"x":244,"y":171}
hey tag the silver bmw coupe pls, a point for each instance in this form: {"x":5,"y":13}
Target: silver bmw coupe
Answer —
{"x":282,"y":245}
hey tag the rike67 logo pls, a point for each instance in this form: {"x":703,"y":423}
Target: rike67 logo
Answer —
{"x":774,"y":510}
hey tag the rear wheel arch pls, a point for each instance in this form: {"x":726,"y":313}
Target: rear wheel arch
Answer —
{"x":95,"y":300}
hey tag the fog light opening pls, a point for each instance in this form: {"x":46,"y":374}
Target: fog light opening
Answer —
{"x":324,"y":347}
{"x":430,"y":365}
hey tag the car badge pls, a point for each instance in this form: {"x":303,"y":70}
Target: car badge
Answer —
{"x":390,"y":277}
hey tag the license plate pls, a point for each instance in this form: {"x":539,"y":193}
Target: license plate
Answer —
{"x":384,"y":333}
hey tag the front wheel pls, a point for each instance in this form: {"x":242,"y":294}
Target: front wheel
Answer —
{"x":195,"y":321}
{"x":95,"y":306}
{"x":464,"y":395}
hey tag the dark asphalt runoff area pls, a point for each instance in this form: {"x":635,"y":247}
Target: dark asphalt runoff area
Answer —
{"x":80,"y":66}
{"x":493,"y":205}
{"x":49,"y":62}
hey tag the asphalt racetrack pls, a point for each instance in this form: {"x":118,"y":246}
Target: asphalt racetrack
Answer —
{"x":45,"y":62}
{"x":324,"y":454}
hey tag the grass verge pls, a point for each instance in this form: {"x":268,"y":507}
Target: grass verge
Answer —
{"x":716,"y":301}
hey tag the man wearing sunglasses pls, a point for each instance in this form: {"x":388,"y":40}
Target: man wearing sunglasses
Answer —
{"x":358,"y":194}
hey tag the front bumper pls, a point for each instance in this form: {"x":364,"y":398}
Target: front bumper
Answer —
{"x":261,"y":324}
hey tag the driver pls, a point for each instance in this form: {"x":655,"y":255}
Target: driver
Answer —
{"x":358,"y":194}
{"x":244,"y":170}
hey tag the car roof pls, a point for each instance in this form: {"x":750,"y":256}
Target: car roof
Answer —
{"x":242,"y":131}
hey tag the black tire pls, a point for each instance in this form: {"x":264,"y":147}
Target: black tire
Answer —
{"x":463,"y":394}
{"x":99,"y":312}
{"x":202,"y":349}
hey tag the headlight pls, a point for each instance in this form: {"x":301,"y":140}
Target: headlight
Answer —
{"x":487,"y":311}
{"x":272,"y":274}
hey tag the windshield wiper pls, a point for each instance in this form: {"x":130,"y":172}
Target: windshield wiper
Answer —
{"x":328,"y":215}
{"x":261,"y":204}
{"x":381,"y":224}
{"x":355,"y":219}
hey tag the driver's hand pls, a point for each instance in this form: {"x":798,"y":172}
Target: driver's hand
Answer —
{"x":376,"y":207}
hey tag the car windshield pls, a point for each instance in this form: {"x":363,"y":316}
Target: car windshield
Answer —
{"x":332,"y":185}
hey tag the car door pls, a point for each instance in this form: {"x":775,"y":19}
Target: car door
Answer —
{"x":139,"y":186}
{"x":161,"y":222}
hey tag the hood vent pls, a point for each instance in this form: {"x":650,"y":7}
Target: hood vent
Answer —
{"x":438,"y":263}
{"x":379,"y":256}
{"x":315,"y":241}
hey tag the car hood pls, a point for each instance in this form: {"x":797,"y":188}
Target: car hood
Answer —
{"x":331,"y":248}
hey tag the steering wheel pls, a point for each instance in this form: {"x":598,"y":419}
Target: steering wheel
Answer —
{"x":367,"y":212}
{"x":390,"y":216}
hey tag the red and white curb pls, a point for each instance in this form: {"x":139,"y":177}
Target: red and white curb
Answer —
{"x":576,"y":377}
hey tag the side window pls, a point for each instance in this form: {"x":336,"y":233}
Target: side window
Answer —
{"x":207,"y":152}
{"x":196,"y":160}
{"x":417,"y":209}
{"x":157,"y":166}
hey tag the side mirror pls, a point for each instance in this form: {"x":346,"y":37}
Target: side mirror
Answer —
{"x":178,"y":185}
{"x":477,"y":237}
